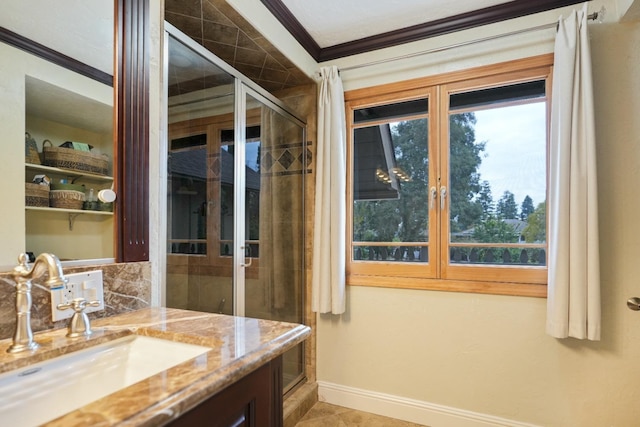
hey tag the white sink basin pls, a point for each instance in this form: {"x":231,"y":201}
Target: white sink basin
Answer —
{"x":46,"y":390}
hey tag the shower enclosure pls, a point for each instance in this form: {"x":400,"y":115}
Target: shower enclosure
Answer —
{"x":236,"y":163}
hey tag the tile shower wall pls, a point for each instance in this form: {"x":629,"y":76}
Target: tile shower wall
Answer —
{"x":127,"y":287}
{"x":303,"y":100}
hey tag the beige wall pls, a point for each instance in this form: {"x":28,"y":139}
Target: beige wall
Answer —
{"x":489,"y":354}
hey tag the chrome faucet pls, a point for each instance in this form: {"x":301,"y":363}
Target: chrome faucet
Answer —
{"x":23,"y":274}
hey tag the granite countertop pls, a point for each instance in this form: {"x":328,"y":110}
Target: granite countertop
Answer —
{"x":238,"y":345}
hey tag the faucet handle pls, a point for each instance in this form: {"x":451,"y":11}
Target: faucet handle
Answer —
{"x":78,"y":304}
{"x":79,"y":325}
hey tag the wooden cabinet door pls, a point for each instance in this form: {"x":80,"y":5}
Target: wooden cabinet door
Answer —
{"x":253,"y":401}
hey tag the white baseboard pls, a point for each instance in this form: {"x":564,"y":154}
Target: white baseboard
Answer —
{"x":411,"y":410}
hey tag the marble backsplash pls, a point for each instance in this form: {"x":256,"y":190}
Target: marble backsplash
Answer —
{"x":127,"y":287}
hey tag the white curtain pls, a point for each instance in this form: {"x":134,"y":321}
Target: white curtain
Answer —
{"x":573,"y":304}
{"x":328,"y":279}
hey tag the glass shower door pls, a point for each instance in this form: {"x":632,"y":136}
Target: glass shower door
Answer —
{"x":236,"y":164}
{"x":275,"y":158}
{"x":200,"y":99}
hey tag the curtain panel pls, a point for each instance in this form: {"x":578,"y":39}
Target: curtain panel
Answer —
{"x":329,"y":276}
{"x":573,"y":302}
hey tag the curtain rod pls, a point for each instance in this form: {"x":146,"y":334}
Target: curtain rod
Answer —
{"x":595,"y":16}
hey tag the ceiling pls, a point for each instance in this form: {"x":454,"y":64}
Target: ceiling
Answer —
{"x":79,"y":29}
{"x":222,"y":30}
{"x":332,"y":22}
{"x":331,"y":29}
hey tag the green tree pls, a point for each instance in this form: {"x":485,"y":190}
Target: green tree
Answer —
{"x":410,"y":140}
{"x":494,"y":230}
{"x":507,"y":207}
{"x":407,"y":218}
{"x":526,"y":208}
{"x":536,"y":229}
{"x":464,"y":179}
{"x":485,"y":199}
{"x":369,"y":223}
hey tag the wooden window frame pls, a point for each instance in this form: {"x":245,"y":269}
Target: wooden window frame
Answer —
{"x":382,"y":269}
{"x":438,"y":273}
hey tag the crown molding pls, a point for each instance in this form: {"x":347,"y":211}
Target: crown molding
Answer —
{"x":20,"y":42}
{"x":464,"y":21}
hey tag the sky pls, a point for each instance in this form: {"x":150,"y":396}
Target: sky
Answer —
{"x":515,"y":152}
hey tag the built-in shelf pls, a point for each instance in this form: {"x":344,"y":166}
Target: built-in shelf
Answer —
{"x":73,"y":213}
{"x":67,"y":172}
{"x":64,"y":110}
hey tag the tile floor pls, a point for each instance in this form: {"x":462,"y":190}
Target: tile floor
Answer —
{"x":326,"y":415}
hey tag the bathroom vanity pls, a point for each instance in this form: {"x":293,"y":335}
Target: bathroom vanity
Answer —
{"x":236,"y":378}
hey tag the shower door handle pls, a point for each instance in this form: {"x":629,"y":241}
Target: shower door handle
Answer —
{"x":246,"y":249}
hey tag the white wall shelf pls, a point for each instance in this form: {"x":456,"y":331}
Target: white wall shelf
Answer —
{"x":67,"y":172}
{"x":73,"y":213}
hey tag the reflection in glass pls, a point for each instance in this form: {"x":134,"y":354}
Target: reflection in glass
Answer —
{"x":187,"y":171}
{"x":274,"y":228}
{"x":204,"y":190}
{"x":197,"y":90}
{"x":252,"y":196}
{"x":391,"y":183}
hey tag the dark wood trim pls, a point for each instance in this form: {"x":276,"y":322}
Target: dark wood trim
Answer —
{"x":286,"y":18}
{"x":131,"y":128}
{"x":464,"y":21}
{"x":41,"y":51}
{"x":277,"y":392}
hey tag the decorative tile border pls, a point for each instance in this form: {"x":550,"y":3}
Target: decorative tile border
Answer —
{"x":285,"y":159}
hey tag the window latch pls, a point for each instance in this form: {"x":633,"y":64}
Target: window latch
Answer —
{"x":434,"y":195}
{"x":443,"y":196}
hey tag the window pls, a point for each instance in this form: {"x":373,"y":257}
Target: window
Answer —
{"x":448,"y":181}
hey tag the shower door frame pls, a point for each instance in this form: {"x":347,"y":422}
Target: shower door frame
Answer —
{"x":243,"y":87}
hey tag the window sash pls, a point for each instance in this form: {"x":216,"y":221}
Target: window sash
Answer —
{"x":439,"y":273}
{"x":390,"y":268}
{"x":489,"y":272}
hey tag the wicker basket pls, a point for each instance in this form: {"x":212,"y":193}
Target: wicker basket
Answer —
{"x":68,"y":158}
{"x":31,"y":154}
{"x":36,"y":195}
{"x":66,"y":199}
